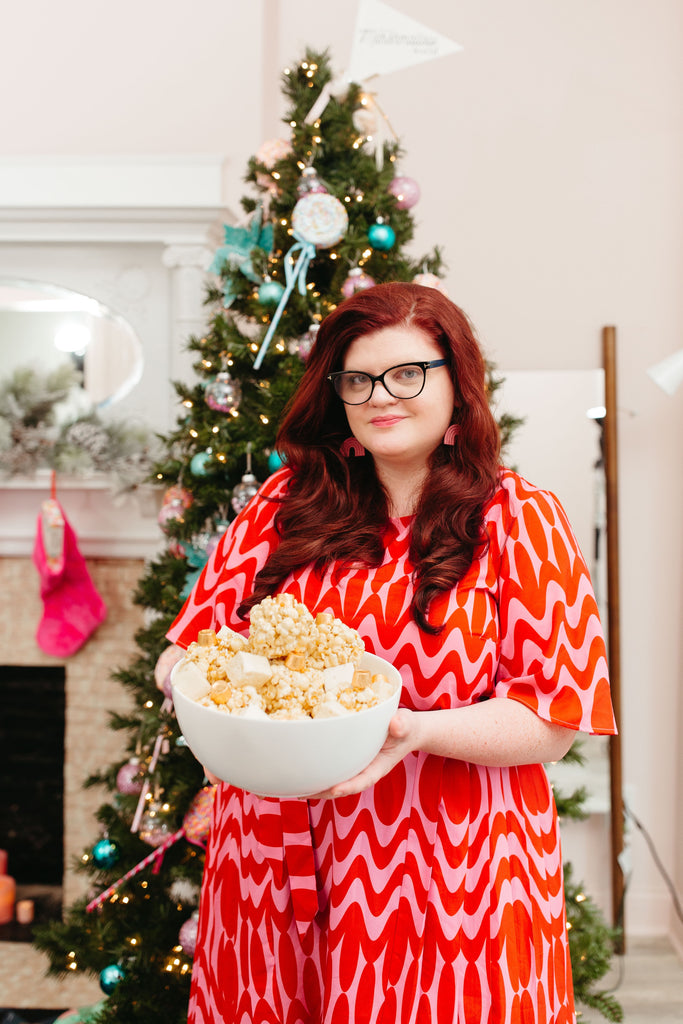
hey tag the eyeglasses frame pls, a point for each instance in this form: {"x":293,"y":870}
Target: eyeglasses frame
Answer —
{"x":424,"y":364}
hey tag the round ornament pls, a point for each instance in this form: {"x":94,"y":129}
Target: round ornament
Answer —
{"x":273,"y":150}
{"x":110,"y":977}
{"x":164,"y":663}
{"x":430,"y":281}
{"x":275,"y":462}
{"x":357,"y":281}
{"x":106,"y":853}
{"x":244,"y":491}
{"x":200,"y":463}
{"x":155,"y":825}
{"x":302,"y":346}
{"x":320,"y":219}
{"x":310,"y":182}
{"x":223,"y":394}
{"x":198,"y":817}
{"x":129,"y":777}
{"x":178,"y":493}
{"x":187,"y":936}
{"x":270,"y":292}
{"x":381,"y":236}
{"x":406,"y":191}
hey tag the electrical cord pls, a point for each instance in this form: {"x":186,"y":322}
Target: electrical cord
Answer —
{"x":658,"y":861}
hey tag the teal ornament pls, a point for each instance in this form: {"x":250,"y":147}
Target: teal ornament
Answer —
{"x":270,"y":293}
{"x":199,"y":463}
{"x":381,"y":236}
{"x":237,"y":251}
{"x":275,"y":462}
{"x":105,"y":853}
{"x":110,"y":977}
{"x":197,"y":557}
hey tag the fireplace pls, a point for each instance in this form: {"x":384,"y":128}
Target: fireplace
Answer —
{"x":32,"y":789}
{"x":88,"y":744}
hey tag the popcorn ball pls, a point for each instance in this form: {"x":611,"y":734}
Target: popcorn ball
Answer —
{"x":280,"y":626}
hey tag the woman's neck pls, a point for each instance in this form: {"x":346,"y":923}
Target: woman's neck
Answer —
{"x":403,"y":488}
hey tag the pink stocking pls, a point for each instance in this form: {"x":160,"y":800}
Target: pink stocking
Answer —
{"x":72,"y":607}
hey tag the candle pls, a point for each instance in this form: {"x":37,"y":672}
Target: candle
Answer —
{"x":24,"y":911}
{"x":8,"y":892}
{"x":3,"y":862}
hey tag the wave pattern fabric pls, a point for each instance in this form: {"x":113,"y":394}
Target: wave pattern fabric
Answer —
{"x":435,"y":897}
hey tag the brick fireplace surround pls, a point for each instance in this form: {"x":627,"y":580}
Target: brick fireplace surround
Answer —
{"x":89,"y":742}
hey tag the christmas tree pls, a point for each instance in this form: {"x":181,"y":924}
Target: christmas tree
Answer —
{"x":327,"y":213}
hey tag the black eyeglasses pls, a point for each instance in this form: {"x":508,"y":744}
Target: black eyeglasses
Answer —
{"x":403,"y":381}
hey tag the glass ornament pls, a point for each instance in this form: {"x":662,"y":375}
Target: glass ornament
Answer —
{"x":381,"y":236}
{"x":130,"y":776}
{"x":223,"y":394}
{"x":302,"y":346}
{"x":310,"y":182}
{"x":270,"y":292}
{"x":110,"y":977}
{"x":200,"y":463}
{"x":187,"y":936}
{"x":155,"y":824}
{"x":406,"y":191}
{"x":275,"y":462}
{"x":430,"y":281}
{"x":106,"y":853}
{"x":245,"y":490}
{"x":357,"y":281}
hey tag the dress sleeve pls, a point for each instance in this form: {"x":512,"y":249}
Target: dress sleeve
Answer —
{"x":228,"y":576}
{"x":552,"y":655}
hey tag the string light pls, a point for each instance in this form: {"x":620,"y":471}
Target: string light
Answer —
{"x":207,"y":364}
{"x":71,"y":964}
{"x":264,"y":419}
{"x":214,"y":430}
{"x":193,"y":432}
{"x":188,"y":403}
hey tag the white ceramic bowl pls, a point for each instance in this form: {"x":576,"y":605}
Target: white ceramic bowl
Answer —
{"x":280,"y":758}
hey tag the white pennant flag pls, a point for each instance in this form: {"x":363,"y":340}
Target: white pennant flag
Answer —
{"x":386,"y":40}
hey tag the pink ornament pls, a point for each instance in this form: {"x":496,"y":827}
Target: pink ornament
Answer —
{"x":270,"y":152}
{"x":198,"y":818}
{"x":357,"y":281}
{"x":129,"y":777}
{"x":430,"y":281}
{"x":406,"y":191}
{"x":187,"y":936}
{"x":178,"y":493}
{"x":165,"y":662}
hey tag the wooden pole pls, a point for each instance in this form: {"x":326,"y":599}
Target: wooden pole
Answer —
{"x":613,"y":628}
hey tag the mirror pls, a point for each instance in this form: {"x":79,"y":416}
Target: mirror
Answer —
{"x":42,"y":325}
{"x":567,"y":444}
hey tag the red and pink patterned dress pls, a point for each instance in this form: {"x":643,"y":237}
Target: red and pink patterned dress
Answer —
{"x":436,"y":896}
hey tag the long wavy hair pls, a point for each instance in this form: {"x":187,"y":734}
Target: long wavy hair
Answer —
{"x":335,"y":508}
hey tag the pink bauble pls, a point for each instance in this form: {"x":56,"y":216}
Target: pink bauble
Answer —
{"x":165,"y":662}
{"x":173,"y":512}
{"x":198,"y":818}
{"x":129,"y":777}
{"x":178,"y":493}
{"x":273,"y":150}
{"x":357,"y":281}
{"x":187,"y":936}
{"x":430,"y":281}
{"x":406,"y":191}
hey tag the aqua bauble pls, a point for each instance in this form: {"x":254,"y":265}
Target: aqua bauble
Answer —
{"x":200,"y":464}
{"x":381,"y":236}
{"x":110,"y":977}
{"x":105,"y":853}
{"x":275,"y":462}
{"x":270,"y":293}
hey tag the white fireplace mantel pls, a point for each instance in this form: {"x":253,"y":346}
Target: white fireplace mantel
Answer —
{"x":138,"y":235}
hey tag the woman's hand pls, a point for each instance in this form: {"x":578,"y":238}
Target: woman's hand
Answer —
{"x":401,"y":740}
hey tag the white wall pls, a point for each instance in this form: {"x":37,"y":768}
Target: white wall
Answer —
{"x":549,"y":153}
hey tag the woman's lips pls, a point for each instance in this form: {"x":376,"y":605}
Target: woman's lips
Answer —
{"x":386,"y":421}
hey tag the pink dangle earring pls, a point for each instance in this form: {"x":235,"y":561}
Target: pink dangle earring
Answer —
{"x":352,"y":446}
{"x":451,"y":434}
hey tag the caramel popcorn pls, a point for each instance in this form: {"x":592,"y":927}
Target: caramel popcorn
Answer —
{"x":290,"y":666}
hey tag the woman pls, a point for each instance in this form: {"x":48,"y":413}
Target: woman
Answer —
{"x":427,"y":889}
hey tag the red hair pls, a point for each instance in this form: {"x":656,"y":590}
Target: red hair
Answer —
{"x":335,"y":508}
